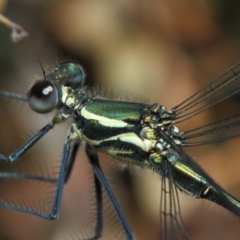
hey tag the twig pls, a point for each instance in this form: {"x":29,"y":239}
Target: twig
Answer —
{"x":18,"y":32}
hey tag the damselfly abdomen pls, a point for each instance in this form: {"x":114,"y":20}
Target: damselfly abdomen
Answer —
{"x":134,"y":133}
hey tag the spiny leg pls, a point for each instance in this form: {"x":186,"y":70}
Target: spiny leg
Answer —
{"x":93,"y":159}
{"x":27,"y":145}
{"x":99,"y":205}
{"x":98,"y":191}
{"x":67,"y":162}
{"x":24,"y":176}
{"x":59,"y":182}
{"x":61,"y":179}
{"x":71,"y":160}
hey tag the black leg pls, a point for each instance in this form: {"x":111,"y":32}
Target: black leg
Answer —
{"x":99,"y":205}
{"x":71,"y":160}
{"x":65,"y":170}
{"x":26,"y":146}
{"x":98,"y":191}
{"x":59,"y":182}
{"x":61,"y":179}
{"x":27,"y":176}
{"x":93,"y":159}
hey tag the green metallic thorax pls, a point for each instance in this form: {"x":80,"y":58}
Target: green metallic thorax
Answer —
{"x":115,"y":128}
{"x":124,"y":111}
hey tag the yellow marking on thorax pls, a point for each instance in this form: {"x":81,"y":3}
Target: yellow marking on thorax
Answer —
{"x":75,"y":133}
{"x":107,"y":122}
{"x":144,"y":144}
{"x":68,"y":99}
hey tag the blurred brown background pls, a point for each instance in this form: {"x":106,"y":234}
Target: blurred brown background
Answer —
{"x":164,"y":50}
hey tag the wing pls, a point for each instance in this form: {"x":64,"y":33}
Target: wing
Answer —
{"x":215,"y":92}
{"x":171,"y":222}
{"x":221,"y":196}
{"x":218,"y":131}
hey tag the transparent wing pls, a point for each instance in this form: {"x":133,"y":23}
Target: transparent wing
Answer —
{"x":223,"y":199}
{"x":171,"y":222}
{"x":222,"y":130}
{"x":215,"y":92}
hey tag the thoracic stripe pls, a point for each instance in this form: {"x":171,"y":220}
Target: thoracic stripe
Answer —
{"x":102,"y":120}
{"x":95,"y":130}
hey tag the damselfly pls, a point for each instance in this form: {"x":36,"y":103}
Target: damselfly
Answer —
{"x":132,"y":132}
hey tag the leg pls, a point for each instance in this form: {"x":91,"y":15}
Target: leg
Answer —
{"x":93,"y":159}
{"x":98,"y":190}
{"x":26,"y":146}
{"x":58,"y":195}
{"x":71,"y":160}
{"x":29,"y":208}
{"x":99,"y":218}
{"x":27,"y":176}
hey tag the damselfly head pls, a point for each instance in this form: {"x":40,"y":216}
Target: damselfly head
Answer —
{"x":45,"y":94}
{"x":68,"y":74}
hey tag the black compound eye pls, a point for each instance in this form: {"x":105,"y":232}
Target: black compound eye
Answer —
{"x":43,"y":97}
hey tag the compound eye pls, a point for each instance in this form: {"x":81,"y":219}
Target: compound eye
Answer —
{"x":43,"y":97}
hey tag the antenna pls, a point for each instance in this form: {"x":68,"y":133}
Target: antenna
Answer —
{"x":43,"y":71}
